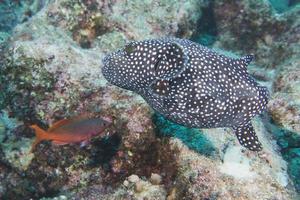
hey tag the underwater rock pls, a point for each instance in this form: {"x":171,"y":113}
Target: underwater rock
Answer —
{"x":254,"y":26}
{"x":52,"y":70}
{"x":51,"y":77}
{"x":142,"y":189}
{"x":257,"y":27}
{"x":284,"y":106}
{"x":133,"y":178}
{"x":202,"y":178}
{"x":167,"y":18}
{"x":155,"y":179}
{"x":14,"y":12}
{"x":284,"y":109}
{"x":3,"y":36}
{"x":88,"y":21}
{"x":293,"y":157}
{"x":236,"y":165}
{"x":14,"y":147}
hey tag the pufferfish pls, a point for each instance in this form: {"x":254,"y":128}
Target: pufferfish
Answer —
{"x":191,"y":85}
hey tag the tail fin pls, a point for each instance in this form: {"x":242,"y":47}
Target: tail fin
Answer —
{"x":40,"y":135}
{"x":264,"y":96}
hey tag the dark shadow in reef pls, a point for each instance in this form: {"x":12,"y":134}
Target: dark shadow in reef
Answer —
{"x":191,"y":137}
{"x":103,"y":150}
{"x":206,"y":32}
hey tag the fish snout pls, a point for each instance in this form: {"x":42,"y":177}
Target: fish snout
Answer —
{"x":106,"y":60}
{"x":105,"y":68}
{"x":108,"y":69}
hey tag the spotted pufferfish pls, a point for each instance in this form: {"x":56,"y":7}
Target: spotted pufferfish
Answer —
{"x":191,"y":85}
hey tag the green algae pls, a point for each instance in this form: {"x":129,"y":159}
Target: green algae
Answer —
{"x":2,"y":131}
{"x":289,"y":143}
{"x":17,"y":152}
{"x":293,"y":158}
{"x":71,"y":11}
{"x":189,"y":136}
{"x":84,"y":21}
{"x":111,"y":41}
{"x":291,"y":139}
{"x":4,"y":36}
{"x":24,"y":80}
{"x":15,"y":149}
{"x":6,"y":122}
{"x":88,"y":28}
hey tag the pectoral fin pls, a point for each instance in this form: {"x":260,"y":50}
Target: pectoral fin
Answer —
{"x":247,"y":137}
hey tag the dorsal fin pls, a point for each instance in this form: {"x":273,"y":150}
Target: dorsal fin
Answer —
{"x":247,"y":59}
{"x":66,"y":121}
{"x":58,"y":124}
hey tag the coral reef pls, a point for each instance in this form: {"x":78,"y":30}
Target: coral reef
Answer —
{"x":203,"y":178}
{"x":285,"y":104}
{"x":14,"y":12}
{"x":51,"y":69}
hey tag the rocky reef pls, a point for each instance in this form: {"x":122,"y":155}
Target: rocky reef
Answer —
{"x":14,"y":12}
{"x":51,"y":69}
{"x":269,"y":30}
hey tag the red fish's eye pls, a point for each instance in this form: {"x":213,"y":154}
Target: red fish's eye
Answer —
{"x":105,"y":123}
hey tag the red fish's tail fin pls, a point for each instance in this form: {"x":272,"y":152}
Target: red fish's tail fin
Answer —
{"x":40,"y":135}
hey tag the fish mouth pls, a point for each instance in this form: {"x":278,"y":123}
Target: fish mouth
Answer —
{"x":108,"y":59}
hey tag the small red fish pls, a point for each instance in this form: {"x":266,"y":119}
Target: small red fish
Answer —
{"x":66,"y":131}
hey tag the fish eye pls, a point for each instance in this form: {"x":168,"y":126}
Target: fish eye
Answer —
{"x":130,"y":48}
{"x":105,"y":123}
